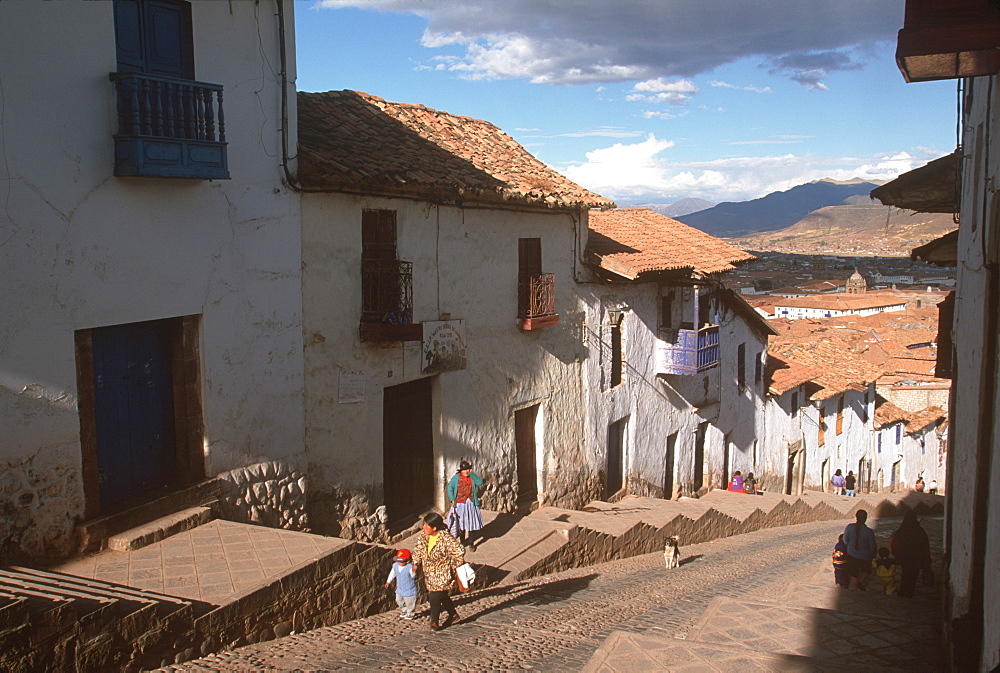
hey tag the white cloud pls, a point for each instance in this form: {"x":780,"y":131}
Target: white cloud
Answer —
{"x":606,"y":132}
{"x":755,"y":89}
{"x":660,"y":85}
{"x":640,"y":173}
{"x":763,"y":142}
{"x":636,"y":40}
{"x":656,"y":114}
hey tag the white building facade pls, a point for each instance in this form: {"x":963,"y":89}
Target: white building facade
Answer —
{"x":150,"y":257}
{"x":440,"y":324}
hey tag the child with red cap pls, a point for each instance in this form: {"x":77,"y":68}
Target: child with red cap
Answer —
{"x":406,"y":583}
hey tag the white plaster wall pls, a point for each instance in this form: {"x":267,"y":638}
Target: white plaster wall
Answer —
{"x":655,"y":407}
{"x":979,"y":217}
{"x":846,"y":449}
{"x":888,"y":454}
{"x":659,"y":406}
{"x":80,"y":248}
{"x":780,"y":430}
{"x":741,"y":412}
{"x":465,"y":265}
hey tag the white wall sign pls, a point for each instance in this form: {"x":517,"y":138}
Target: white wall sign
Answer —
{"x":352,"y":387}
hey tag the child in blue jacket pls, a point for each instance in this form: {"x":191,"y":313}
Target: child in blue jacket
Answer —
{"x":405,"y":575}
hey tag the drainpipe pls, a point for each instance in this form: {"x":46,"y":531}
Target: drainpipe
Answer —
{"x":290,"y":179}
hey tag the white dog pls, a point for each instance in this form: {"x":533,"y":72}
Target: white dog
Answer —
{"x":672,"y":552}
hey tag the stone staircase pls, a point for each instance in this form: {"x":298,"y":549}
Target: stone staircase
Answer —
{"x":185,"y":586}
{"x":57,"y":622}
{"x":551,"y":539}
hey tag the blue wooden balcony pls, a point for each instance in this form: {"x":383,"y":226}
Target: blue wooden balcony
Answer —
{"x":169,"y":128}
{"x":687,"y":351}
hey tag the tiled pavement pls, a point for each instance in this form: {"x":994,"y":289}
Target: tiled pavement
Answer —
{"x":631,"y":615}
{"x":212,"y":563}
{"x":813,"y":626}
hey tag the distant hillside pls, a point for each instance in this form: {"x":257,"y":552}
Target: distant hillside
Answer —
{"x":675,"y":209}
{"x":683,"y":207}
{"x":859,"y":228}
{"x":775,"y":211}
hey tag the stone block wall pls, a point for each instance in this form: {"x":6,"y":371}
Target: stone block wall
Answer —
{"x":269,"y":493}
{"x":40,"y":500}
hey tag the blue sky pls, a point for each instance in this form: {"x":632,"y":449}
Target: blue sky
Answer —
{"x":650,"y":101}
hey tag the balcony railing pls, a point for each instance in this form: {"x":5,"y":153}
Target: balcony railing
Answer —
{"x":387,"y":301}
{"x":687,"y":351}
{"x":169,"y":128}
{"x":536,"y":302}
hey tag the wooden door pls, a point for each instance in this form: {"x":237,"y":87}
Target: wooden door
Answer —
{"x":524,"y":440}
{"x":668,"y":466}
{"x":616,"y":457}
{"x":134,"y":409}
{"x":699,"y":456}
{"x":408,"y":449}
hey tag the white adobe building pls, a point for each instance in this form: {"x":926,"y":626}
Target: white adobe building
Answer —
{"x":937,"y":43}
{"x":819,"y":417}
{"x":828,"y":306}
{"x":674,"y":366}
{"x":150,"y":257}
{"x":441,"y":317}
{"x":908,"y":445}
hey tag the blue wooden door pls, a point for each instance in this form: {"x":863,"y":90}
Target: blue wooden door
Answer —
{"x":134,"y":410}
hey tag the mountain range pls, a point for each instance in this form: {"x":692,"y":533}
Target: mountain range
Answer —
{"x":821,"y":217}
{"x":777,"y":210}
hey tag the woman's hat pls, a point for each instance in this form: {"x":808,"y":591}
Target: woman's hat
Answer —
{"x":464,"y":465}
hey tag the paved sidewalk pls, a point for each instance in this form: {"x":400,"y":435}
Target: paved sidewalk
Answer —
{"x":813,"y":626}
{"x":212,"y":563}
{"x":631,"y":614}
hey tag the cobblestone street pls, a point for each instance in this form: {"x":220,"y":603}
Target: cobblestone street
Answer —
{"x":559,"y":622}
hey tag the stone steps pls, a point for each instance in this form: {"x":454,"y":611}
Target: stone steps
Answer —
{"x":80,"y":624}
{"x":158,"y":529}
{"x":634,"y":525}
{"x":54,"y":621}
{"x":94,"y":534}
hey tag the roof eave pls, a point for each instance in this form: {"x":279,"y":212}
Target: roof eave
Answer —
{"x":932,"y":188}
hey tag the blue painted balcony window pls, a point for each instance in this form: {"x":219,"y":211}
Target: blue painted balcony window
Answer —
{"x":687,"y":351}
{"x":169,"y":125}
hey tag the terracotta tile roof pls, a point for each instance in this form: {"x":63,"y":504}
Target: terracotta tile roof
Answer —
{"x":355,"y":142}
{"x":783,"y":375}
{"x":921,"y":366}
{"x":921,"y":419}
{"x":837,"y":368}
{"x":842,"y":302}
{"x":887,"y":413}
{"x":632,"y":241}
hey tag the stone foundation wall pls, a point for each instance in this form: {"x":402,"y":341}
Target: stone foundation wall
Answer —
{"x":41,"y":498}
{"x":270,"y":493}
{"x":352,"y":515}
{"x":572,"y":490}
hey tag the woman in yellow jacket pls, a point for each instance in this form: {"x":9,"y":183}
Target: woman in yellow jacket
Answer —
{"x":438,"y":554}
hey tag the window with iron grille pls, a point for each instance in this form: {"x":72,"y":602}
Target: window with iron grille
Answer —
{"x":386,"y":282}
{"x":536,"y":291}
{"x":741,"y":366}
{"x":617,"y":363}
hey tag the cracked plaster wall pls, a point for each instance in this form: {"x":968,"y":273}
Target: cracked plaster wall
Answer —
{"x":80,"y":248}
{"x":465,"y":265}
{"x":656,"y":407}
